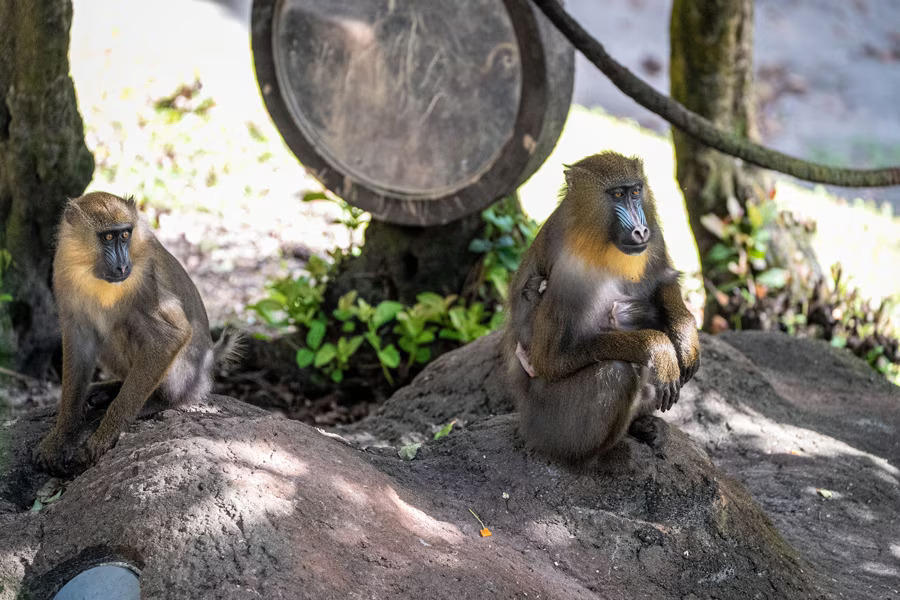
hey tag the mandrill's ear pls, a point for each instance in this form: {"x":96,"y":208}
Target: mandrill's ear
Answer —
{"x":572,"y":174}
{"x":72,"y":212}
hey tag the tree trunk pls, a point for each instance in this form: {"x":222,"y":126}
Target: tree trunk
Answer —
{"x":43,"y":161}
{"x":399,"y":261}
{"x":712,"y":74}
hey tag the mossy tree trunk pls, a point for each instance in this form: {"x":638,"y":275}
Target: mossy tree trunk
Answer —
{"x":712,"y":74}
{"x":43,"y":161}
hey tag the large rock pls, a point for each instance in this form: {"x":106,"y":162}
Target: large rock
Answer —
{"x":223,"y":500}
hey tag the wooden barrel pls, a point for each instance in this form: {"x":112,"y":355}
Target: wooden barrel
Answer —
{"x":420,"y":112}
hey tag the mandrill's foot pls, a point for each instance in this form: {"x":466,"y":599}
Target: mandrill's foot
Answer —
{"x":61,"y":456}
{"x":90,"y":452}
{"x":650,"y":430}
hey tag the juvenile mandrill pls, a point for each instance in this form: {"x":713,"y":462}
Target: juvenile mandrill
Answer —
{"x":597,"y":333}
{"x":126,"y":302}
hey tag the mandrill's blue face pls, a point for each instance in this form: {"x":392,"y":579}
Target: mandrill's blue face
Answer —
{"x":632,"y":235}
{"x":114,"y":244}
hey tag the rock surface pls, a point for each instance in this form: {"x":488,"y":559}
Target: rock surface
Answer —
{"x":223,"y":500}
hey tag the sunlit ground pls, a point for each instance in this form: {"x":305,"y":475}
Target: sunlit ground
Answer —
{"x":231,"y":166}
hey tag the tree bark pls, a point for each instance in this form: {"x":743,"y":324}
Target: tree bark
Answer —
{"x":712,"y":75}
{"x":43,"y":161}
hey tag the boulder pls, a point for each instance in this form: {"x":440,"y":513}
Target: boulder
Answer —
{"x":225,"y":500}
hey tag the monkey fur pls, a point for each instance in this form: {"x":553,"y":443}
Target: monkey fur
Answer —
{"x":597,"y":333}
{"x":124,"y":301}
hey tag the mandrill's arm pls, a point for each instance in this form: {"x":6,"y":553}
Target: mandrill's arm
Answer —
{"x":681,"y":329}
{"x":79,"y":357}
{"x":561,"y":346}
{"x":165,"y":332}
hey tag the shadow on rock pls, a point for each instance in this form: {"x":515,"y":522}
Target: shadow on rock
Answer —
{"x":224,"y":500}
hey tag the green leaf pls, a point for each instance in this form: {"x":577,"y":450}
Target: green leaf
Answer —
{"x":505,"y":241}
{"x":449,"y":334}
{"x":839,"y":341}
{"x":305,"y":357}
{"x":755,"y":216}
{"x":325,"y":355}
{"x":407,"y":345}
{"x":389,"y":356}
{"x":445,"y":430}
{"x":317,"y":267}
{"x":509,"y":260}
{"x":409,"y":452}
{"x":430,"y":299}
{"x":458,"y":318}
{"x":423,"y":355}
{"x":345,"y":302}
{"x":756,"y":254}
{"x":337,"y":376}
{"x":504,"y":223}
{"x":268,"y":309}
{"x":386,"y":311}
{"x":480,"y":246}
{"x":310,"y":196}
{"x":350,"y":346}
{"x":774,"y":278}
{"x":348,"y":327}
{"x":316,"y":334}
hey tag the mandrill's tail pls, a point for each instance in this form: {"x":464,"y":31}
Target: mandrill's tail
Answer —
{"x":229,"y":348}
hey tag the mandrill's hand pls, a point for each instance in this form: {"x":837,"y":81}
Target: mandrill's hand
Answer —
{"x":687,"y":348}
{"x":54,"y":453}
{"x":666,"y":374}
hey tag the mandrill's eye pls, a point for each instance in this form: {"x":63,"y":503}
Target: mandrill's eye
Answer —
{"x":125,"y":235}
{"x":108,"y":237}
{"x":636,"y":192}
{"x":617,"y":194}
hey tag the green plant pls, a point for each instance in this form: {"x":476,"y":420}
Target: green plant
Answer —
{"x":418,"y":324}
{"x":401,"y":337}
{"x":759,"y":295}
{"x":351,"y":217}
{"x":295,"y":301}
{"x":507,"y":234}
{"x":397,"y":334}
{"x":865,"y":329}
{"x":468,"y":323}
{"x":373,"y":317}
{"x":739,"y":258}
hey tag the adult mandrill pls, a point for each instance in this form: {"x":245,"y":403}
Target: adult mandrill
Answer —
{"x":125,"y":301}
{"x":597,"y":333}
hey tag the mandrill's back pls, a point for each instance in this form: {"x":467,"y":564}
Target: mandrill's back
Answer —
{"x":173,"y":280}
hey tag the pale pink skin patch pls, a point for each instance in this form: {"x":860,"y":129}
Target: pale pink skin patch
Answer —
{"x":523,"y":359}
{"x":520,"y":351}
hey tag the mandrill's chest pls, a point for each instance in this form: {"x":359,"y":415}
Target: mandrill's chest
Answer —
{"x":599,"y":255}
{"x":597,"y":299}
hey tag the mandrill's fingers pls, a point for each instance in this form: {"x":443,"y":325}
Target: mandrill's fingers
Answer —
{"x":667,"y":395}
{"x":689,"y":372}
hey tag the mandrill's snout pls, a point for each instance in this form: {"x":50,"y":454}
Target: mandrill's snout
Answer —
{"x":640,"y":235}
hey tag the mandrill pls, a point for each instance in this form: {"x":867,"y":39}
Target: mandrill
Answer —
{"x":126,"y":302}
{"x":597,"y":333}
